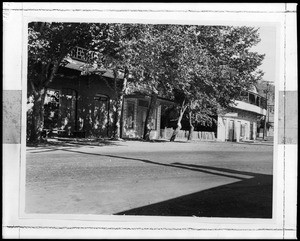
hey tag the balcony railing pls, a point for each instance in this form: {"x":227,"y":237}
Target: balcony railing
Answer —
{"x":254,"y":99}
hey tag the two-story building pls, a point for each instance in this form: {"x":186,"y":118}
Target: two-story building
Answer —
{"x":239,"y":121}
{"x":78,"y":104}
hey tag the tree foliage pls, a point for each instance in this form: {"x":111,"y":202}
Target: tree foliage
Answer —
{"x":48,"y":45}
{"x":202,"y":68}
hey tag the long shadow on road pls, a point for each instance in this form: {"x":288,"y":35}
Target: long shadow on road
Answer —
{"x":249,"y":197}
{"x":209,"y":170}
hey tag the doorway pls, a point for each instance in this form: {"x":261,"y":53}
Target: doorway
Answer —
{"x":141,"y":118}
{"x":231,"y":131}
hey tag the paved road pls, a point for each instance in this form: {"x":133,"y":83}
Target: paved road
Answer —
{"x":141,"y":178}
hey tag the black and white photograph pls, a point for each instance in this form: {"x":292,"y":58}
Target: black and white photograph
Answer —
{"x":159,"y":121}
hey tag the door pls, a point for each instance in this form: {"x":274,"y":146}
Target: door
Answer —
{"x":231,"y":130}
{"x":251,"y":131}
{"x":141,"y":118}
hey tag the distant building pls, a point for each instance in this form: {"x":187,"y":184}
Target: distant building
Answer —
{"x":270,"y":119}
{"x":240,"y":122}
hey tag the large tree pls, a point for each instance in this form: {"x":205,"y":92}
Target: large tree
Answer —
{"x":202,"y":68}
{"x":215,"y":67}
{"x":121,"y":56}
{"x":152,"y":69}
{"x":192,"y":65}
{"x":48,"y":45}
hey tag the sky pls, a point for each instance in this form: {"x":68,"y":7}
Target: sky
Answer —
{"x":267,"y":46}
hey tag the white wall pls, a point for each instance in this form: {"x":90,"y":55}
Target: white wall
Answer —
{"x":223,"y":127}
{"x":221,"y":132}
{"x":249,"y":107}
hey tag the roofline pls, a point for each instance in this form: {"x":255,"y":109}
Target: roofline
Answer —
{"x":140,"y":95}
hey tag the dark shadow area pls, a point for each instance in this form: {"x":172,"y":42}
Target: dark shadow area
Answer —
{"x":200,"y":167}
{"x":51,"y":144}
{"x":95,"y":142}
{"x":154,"y":140}
{"x":74,"y":143}
{"x":249,"y":198}
{"x":91,"y":142}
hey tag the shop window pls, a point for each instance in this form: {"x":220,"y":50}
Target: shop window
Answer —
{"x":243,"y":130}
{"x":130,"y":115}
{"x":100,"y":113}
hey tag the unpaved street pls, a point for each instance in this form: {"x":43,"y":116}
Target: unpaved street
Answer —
{"x":159,"y":178}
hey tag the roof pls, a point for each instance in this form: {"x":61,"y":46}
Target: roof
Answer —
{"x":142,"y":96}
{"x":253,"y":89}
{"x":88,"y":68}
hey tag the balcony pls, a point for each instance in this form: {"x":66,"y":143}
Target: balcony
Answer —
{"x":254,"y":99}
{"x":253,"y":102}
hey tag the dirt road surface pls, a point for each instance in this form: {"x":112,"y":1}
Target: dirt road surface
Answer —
{"x":151,"y":178}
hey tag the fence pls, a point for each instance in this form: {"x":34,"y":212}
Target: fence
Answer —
{"x":182,"y":134}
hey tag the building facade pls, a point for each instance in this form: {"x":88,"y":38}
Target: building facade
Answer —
{"x":241,"y":121}
{"x":79,"y":105}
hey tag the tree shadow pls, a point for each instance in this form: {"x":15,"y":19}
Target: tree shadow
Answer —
{"x":70,"y":144}
{"x":73,"y":143}
{"x":174,"y":165}
{"x":248,"y":198}
{"x":219,"y":169}
{"x":155,"y":140}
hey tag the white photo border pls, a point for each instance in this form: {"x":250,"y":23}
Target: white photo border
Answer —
{"x":18,"y":224}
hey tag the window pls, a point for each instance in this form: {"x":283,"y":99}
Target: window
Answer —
{"x":143,"y":103}
{"x":257,"y":100}
{"x":243,"y":130}
{"x":271,"y":109}
{"x":251,"y":99}
{"x":130,"y":115}
{"x":154,"y":120}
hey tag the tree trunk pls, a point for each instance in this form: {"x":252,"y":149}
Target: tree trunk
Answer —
{"x":191,"y":131}
{"x":116,"y":129}
{"x":37,"y":117}
{"x":178,"y":127}
{"x":39,"y":93}
{"x":190,"y":136}
{"x":117,"y":118}
{"x":150,"y":111}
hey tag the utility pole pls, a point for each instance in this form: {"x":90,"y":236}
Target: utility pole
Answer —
{"x":265,"y":118}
